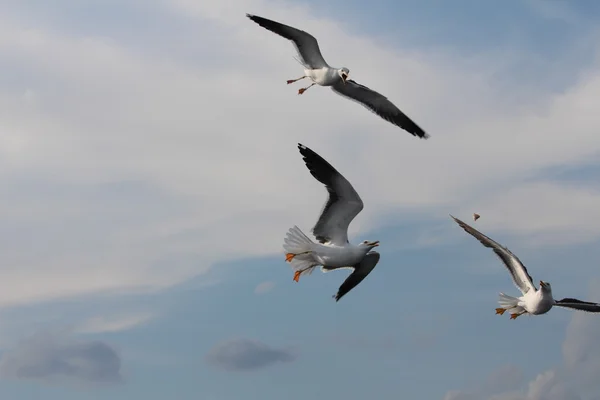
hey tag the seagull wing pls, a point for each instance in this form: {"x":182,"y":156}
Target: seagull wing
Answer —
{"x":378,"y":104}
{"x":342,"y":205}
{"x":305,"y":43}
{"x":578,"y":305}
{"x":516,"y":268}
{"x":361,"y":270}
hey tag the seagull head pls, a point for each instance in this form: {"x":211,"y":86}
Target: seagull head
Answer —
{"x":344,"y":72}
{"x":369,"y":244}
{"x":545,"y":286}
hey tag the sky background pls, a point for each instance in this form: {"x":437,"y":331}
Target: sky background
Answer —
{"x":149,"y":173}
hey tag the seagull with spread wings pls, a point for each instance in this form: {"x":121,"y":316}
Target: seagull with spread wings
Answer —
{"x":533,"y":301}
{"x":331,"y":231}
{"x":317,"y":69}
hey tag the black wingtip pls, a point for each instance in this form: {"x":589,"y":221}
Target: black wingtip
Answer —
{"x":311,"y":158}
{"x":456,"y":219}
{"x":303,"y":149}
{"x":460,"y":222}
{"x":415,"y":130}
{"x":253,"y":18}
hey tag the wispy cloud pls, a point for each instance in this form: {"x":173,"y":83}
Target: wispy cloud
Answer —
{"x":264,"y":287}
{"x":552,"y":9}
{"x":115,"y":323}
{"x":245,"y":355}
{"x":48,"y":357}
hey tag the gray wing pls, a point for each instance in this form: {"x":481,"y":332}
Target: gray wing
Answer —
{"x":305,"y":43}
{"x":578,"y":305}
{"x":378,"y":104}
{"x":342,"y":205}
{"x":516,"y":268}
{"x":361,"y":270}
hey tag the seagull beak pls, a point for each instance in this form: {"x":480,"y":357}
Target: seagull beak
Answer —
{"x":542,"y":284}
{"x":374,"y":244}
{"x":344,"y":77}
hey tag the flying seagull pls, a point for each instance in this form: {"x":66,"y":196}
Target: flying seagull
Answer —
{"x":533,"y":301}
{"x":331,"y":231}
{"x":317,"y":69}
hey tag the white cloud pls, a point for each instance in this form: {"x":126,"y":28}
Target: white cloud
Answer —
{"x":126,"y":169}
{"x":541,"y":212}
{"x":576,"y":379}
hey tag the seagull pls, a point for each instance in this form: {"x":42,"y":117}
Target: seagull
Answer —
{"x":533,"y":301}
{"x":317,"y":69}
{"x":331,"y":231}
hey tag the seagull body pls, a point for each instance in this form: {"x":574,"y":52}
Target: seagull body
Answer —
{"x":533,"y":301}
{"x":331,"y":255}
{"x":333,"y":250}
{"x":317,"y":70}
{"x":322,"y":76}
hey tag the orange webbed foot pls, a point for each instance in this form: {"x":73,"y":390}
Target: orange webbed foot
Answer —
{"x":297,"y":275}
{"x":514,"y":316}
{"x":301,"y":90}
{"x":500,"y":311}
{"x":289,"y":257}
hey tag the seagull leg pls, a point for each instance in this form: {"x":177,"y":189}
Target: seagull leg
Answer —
{"x":500,"y":311}
{"x":514,"y":316}
{"x":299,"y":272}
{"x":290,"y":256}
{"x":295,"y":80}
{"x":302,"y":90}
{"x":297,"y":275}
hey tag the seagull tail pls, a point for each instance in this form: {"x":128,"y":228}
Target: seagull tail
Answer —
{"x":508,"y":302}
{"x":300,"y":246}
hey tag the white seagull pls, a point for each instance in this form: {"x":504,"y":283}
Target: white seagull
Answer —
{"x":331,"y":230}
{"x":317,"y":69}
{"x":533,"y":301}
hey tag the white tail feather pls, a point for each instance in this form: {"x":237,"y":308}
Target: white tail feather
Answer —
{"x":509,"y":302}
{"x":297,"y":243}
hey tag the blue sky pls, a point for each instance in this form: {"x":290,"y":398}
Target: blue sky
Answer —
{"x":149,"y":172}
